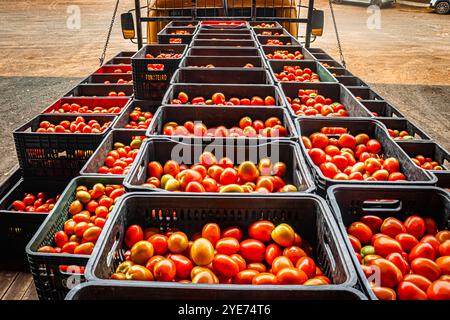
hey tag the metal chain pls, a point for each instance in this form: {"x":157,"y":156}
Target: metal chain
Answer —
{"x":337,"y":35}
{"x":102,"y":57}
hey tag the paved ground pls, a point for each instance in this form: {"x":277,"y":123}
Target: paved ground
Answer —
{"x":406,"y":60}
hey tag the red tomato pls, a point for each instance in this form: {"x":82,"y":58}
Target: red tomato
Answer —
{"x":291,"y":275}
{"x":329,"y":169}
{"x":430,"y":226}
{"x":385,"y":245}
{"x":307,"y":265}
{"x":409,"y":291}
{"x":392,"y":226}
{"x":160,"y":244}
{"x":422,"y":250}
{"x":245,"y":276}
{"x":279,"y":263}
{"x":182,"y":264}
{"x":397,"y":259}
{"x":383,"y":293}
{"x":426,"y":267}
{"x":211,"y":231}
{"x":264,"y":278}
{"x":373,"y":146}
{"x":272,"y":251}
{"x":444,"y":248}
{"x":420,"y":281}
{"x":356,"y":244}
{"x":415,"y":226}
{"x":360,"y":231}
{"x":233,"y":232}
{"x":261,"y":230}
{"x":225,"y":266}
{"x":134,"y":234}
{"x":294,"y":253}
{"x":407,"y":241}
{"x":433,"y":242}
{"x":444,"y":264}
{"x":390,"y":275}
{"x":240,"y":261}
{"x":252,"y":250}
{"x":165,"y":270}
{"x":61,"y":238}
{"x":373,"y":222}
{"x":227,"y":246}
{"x":439,"y":290}
{"x":155,"y":169}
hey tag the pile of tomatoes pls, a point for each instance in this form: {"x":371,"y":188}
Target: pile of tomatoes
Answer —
{"x":181,"y":32}
{"x":116,"y":94}
{"x":139,"y":119}
{"x":118,"y":70}
{"x":270,"y":33}
{"x":41,"y":202}
{"x":120,"y":159}
{"x":164,"y":56}
{"x":155,"y":66}
{"x":285,"y":55}
{"x":272,"y":127}
{"x":310,"y":103}
{"x":297,"y":74}
{"x":277,"y":42}
{"x":269,"y":255}
{"x":426,"y":163}
{"x":349,"y":157}
{"x":79,"y":125}
{"x":76,"y":108}
{"x":175,"y":40}
{"x":400,"y":135}
{"x":88,"y":214}
{"x":210,"y":66}
{"x":210,"y":175}
{"x":219,"y":98}
{"x":410,"y":260}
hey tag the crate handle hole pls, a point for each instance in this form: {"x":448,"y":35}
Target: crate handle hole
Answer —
{"x":113,"y":251}
{"x":381,"y":205}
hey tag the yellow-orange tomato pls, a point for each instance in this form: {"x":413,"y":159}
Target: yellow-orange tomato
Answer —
{"x":141,"y":252}
{"x":283,"y":234}
{"x":202,"y":252}
{"x":139,"y":273}
{"x":177,"y":242}
{"x":85,"y":248}
{"x":264,"y":278}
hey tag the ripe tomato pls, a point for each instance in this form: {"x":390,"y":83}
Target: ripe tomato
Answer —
{"x":272,"y":251}
{"x":415,"y":226}
{"x":133,"y":234}
{"x":155,"y":169}
{"x":261,"y":230}
{"x":420,"y":281}
{"x":373,"y":146}
{"x":401,"y":263}
{"x":240,"y":261}
{"x":291,"y":275}
{"x":317,"y":155}
{"x":319,"y":140}
{"x":426,"y":267}
{"x":227,"y":246}
{"x":177,"y":242}
{"x":422,"y":250}
{"x":264,"y":278}
{"x":202,"y":252}
{"x":252,"y":250}
{"x":433,"y":242}
{"x":360,"y":231}
{"x":165,"y":270}
{"x":392,"y":226}
{"x":439,"y":290}
{"x":141,"y":252}
{"x":160,"y":243}
{"x":409,"y":291}
{"x":183,"y":265}
{"x":151,"y":262}
{"x":211,"y":231}
{"x":225,"y":266}
{"x":294,"y":253}
{"x":444,"y":248}
{"x":307,"y":265}
{"x":61,"y":239}
{"x":383,"y":293}
{"x":444,"y":264}
{"x":329,"y":169}
{"x":347,"y":141}
{"x":390,"y":275}
{"x":391,"y":165}
{"x":228,"y":176}
{"x":279,"y":263}
{"x":258,"y":266}
{"x":92,"y":234}
{"x":385,"y":246}
{"x":407,"y":241}
{"x":233,"y":232}
{"x":283,"y":234}
{"x":245,"y":276}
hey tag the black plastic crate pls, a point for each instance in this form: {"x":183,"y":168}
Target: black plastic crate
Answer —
{"x":152,"y":84}
{"x":257,"y":24}
{"x":52,"y":282}
{"x":125,"y":54}
{"x":101,"y":290}
{"x":224,"y":52}
{"x":383,"y":109}
{"x":219,"y":75}
{"x":98,"y":158}
{"x":160,"y":149}
{"x":229,"y":90}
{"x":334,"y":91}
{"x":114,"y":69}
{"x":56,"y":154}
{"x":316,"y":50}
{"x":166,"y":34}
{"x":284,"y":39}
{"x":351,"y":81}
{"x":229,"y":117}
{"x":428,"y":149}
{"x":376,"y":130}
{"x":199,"y":62}
{"x":17,"y":228}
{"x":119,"y":60}
{"x":225,"y":31}
{"x":322,"y":56}
{"x":222,"y":25}
{"x":405,"y":125}
{"x":124,"y":117}
{"x":223,"y":36}
{"x":112,"y":78}
{"x":223,"y":43}
{"x":100,"y":90}
{"x":307,"y":214}
{"x":276,"y":66}
{"x":362,"y":93}
{"x":184,"y":23}
{"x":444,"y":182}
{"x":350,"y":203}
